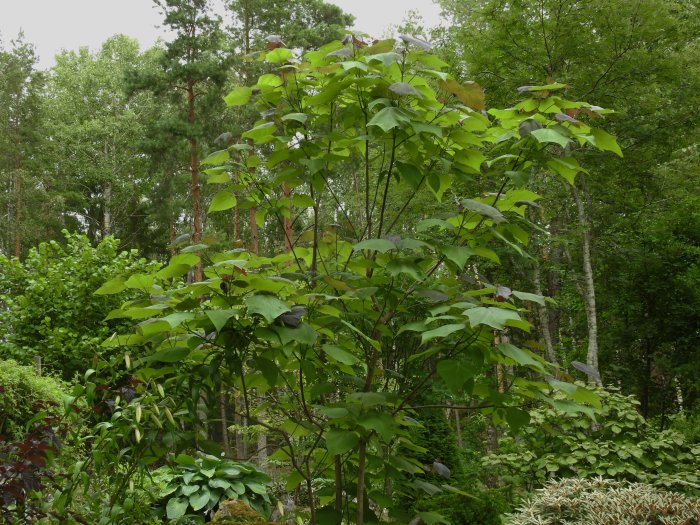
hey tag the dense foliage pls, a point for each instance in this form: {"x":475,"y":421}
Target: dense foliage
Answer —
{"x":47,"y":306}
{"x":357,"y":281}
{"x":620,"y":444}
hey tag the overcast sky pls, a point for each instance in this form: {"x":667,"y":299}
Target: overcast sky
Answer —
{"x":52,"y":25}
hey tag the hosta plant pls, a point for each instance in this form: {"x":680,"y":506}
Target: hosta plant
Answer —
{"x":193,"y":487}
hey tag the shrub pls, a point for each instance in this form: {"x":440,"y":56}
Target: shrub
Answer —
{"x":48,"y":305}
{"x":620,"y":445}
{"x":480,"y":507}
{"x":20,"y":391}
{"x":601,"y":501}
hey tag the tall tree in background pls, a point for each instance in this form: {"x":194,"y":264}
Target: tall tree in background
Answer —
{"x":20,"y":89}
{"x":193,"y":73}
{"x":305,"y":24}
{"x":93,"y":129}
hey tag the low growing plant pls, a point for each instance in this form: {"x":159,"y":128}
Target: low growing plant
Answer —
{"x":193,"y":487}
{"x":606,"y":502}
{"x":621,"y":445}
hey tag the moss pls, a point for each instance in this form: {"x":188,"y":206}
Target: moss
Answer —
{"x":236,"y":511}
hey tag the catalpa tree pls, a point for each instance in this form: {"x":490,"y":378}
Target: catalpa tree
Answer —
{"x":335,"y":339}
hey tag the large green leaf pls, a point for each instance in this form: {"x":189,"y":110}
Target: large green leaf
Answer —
{"x":279,"y":55}
{"x":169,"y":355}
{"x":216,"y":158}
{"x":261,"y":133}
{"x":340,"y":355}
{"x":524,"y":296}
{"x":455,"y":373}
{"x":390,"y":118}
{"x":238,"y":96}
{"x":224,"y":200}
{"x":547,"y":135}
{"x":470,"y":93}
{"x":382,"y":424}
{"x":404,"y":89}
{"x":606,"y":141}
{"x":516,"y":418}
{"x":483,"y":209}
{"x":176,"y":507}
{"x":491,"y":316}
{"x":379,"y":245}
{"x":341,"y":441}
{"x":112,"y":286}
{"x":140,"y":281}
{"x":199,"y":499}
{"x":522,"y":357}
{"x":269,"y":306}
{"x":219,"y":318}
{"x":457,"y":254}
{"x":441,"y":331}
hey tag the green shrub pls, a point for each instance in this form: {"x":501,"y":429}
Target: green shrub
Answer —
{"x":20,"y":391}
{"x":620,"y":445}
{"x":481,"y":507}
{"x":48,"y":305}
{"x":606,"y":502}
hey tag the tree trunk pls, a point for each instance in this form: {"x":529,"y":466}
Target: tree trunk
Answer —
{"x":224,"y":422}
{"x":194,"y":169}
{"x":361,"y":465}
{"x":543,"y":315}
{"x":107,"y":215}
{"x":253,"y":230}
{"x":287,"y":221}
{"x":588,"y":285}
{"x":18,"y":210}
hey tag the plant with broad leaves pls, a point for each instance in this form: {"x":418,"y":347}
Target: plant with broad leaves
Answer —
{"x":193,"y":487}
{"x":620,"y":445}
{"x":339,"y":336}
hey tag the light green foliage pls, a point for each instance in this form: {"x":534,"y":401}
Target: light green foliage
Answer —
{"x":193,"y":487}
{"x":339,"y":335}
{"x":103,"y":184}
{"x":620,"y":445}
{"x":20,"y":390}
{"x":605,"y":502}
{"x":47,"y":304}
{"x":304,"y":24}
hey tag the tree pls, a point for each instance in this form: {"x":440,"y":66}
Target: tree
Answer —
{"x":93,"y":157}
{"x":343,"y":334}
{"x":305,"y":25}
{"x":20,"y":89}
{"x":192,"y":72}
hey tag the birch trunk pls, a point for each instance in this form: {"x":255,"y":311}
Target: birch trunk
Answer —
{"x":588,"y":284}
